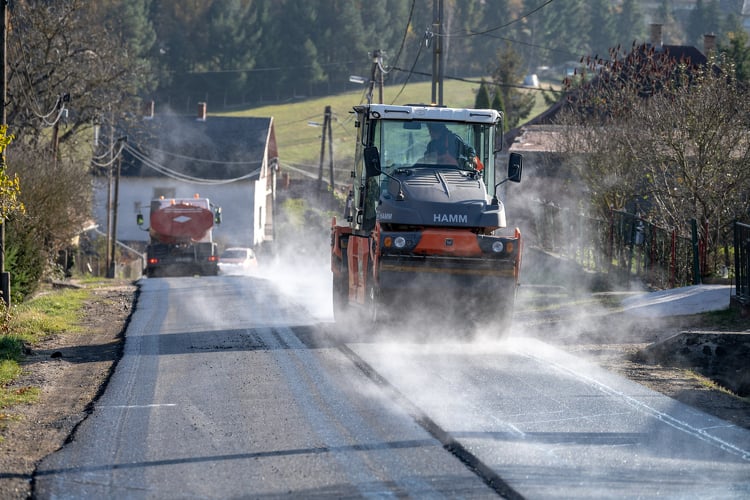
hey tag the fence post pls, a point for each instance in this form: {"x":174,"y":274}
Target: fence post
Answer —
{"x":673,"y":264}
{"x":696,"y":257}
{"x":611,"y":240}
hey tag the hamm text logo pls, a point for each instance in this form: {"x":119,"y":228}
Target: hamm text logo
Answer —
{"x":454,"y":218}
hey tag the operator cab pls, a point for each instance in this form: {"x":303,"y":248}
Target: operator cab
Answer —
{"x":402,"y":149}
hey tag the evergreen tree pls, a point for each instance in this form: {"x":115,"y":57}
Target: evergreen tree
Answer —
{"x":674,"y":34}
{"x":338,"y":21}
{"x":294,"y":51}
{"x":732,"y":24}
{"x":712,"y":20}
{"x":131,"y":23}
{"x":508,"y":72}
{"x":737,"y":51}
{"x":482,"y":100}
{"x":696,"y":21}
{"x":497,"y":104}
{"x":601,"y":27}
{"x":629,"y":26}
{"x":234,"y":39}
{"x":573,"y":28}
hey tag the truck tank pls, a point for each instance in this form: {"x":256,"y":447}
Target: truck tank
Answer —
{"x":181,"y":240}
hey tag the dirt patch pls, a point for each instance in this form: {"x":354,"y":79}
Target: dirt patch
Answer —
{"x":724,"y":357}
{"x":72,"y":369}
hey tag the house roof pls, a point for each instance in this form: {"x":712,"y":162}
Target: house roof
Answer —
{"x":685,"y":53}
{"x":216,"y":147}
{"x":536,"y":138}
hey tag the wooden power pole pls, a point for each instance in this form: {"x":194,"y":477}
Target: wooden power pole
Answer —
{"x":327,"y":134}
{"x":4,"y":276}
{"x":438,"y":55}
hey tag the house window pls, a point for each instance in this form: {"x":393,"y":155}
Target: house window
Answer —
{"x":260,"y":217}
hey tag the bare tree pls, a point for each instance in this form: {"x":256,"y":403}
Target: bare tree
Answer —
{"x":67,"y":71}
{"x":663,"y":132}
{"x":697,"y":161}
{"x":666,"y":138}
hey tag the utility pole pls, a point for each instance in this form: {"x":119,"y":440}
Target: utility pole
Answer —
{"x":115,"y":205}
{"x":108,"y":259}
{"x":330,"y":147}
{"x":377,"y":60}
{"x":376,"y":74}
{"x":438,"y":57}
{"x":326,"y":132}
{"x":4,"y":276}
{"x":59,"y":109}
{"x":113,"y":241}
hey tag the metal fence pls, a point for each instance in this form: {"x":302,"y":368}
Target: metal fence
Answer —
{"x":742,"y":262}
{"x":625,"y":247}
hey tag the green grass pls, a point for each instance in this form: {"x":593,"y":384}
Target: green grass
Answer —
{"x":28,"y":323}
{"x":725,"y":320}
{"x":299,"y":141}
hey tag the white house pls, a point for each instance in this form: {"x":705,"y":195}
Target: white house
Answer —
{"x":230,"y":160}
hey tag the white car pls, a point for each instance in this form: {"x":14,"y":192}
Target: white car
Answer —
{"x":237,"y":260}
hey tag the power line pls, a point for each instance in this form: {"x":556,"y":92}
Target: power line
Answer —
{"x":534,"y":46}
{"x":113,"y":158}
{"x":406,"y":32}
{"x":469,"y":80}
{"x":202,"y":160}
{"x":174,"y":174}
{"x":490,"y":30}
{"x":410,"y":72}
{"x":270,"y":68}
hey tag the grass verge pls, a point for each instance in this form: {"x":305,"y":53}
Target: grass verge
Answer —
{"x":46,"y":315}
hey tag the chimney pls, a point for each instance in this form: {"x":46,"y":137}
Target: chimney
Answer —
{"x":709,"y":43}
{"x":202,"y":111}
{"x":656,"y":38}
{"x":148,"y":110}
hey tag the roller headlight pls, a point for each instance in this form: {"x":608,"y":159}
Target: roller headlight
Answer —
{"x":497,"y":246}
{"x":399,"y":242}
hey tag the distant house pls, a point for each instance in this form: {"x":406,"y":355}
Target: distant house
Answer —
{"x":233,"y":161}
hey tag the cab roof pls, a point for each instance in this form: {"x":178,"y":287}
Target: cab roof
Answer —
{"x":426,"y":112}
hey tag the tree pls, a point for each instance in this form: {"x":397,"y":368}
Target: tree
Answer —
{"x":497,"y":104}
{"x":629,"y":26}
{"x":62,"y":56}
{"x":10,"y":186}
{"x":697,"y":161}
{"x":670,"y":137}
{"x":130,"y":23}
{"x":68,"y":68}
{"x":738,"y":52}
{"x":601,"y":26}
{"x":703,"y":19}
{"x":292,"y":32}
{"x":482,"y":100}
{"x":506,"y":76}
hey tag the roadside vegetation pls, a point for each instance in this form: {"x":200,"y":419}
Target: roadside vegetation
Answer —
{"x":44,"y":316}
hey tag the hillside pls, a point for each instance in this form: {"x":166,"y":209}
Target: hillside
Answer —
{"x":298,"y":124}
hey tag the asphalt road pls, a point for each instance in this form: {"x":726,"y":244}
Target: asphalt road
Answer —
{"x":239,"y":387}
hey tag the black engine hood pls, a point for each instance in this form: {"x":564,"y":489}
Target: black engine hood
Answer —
{"x":438,"y":197}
